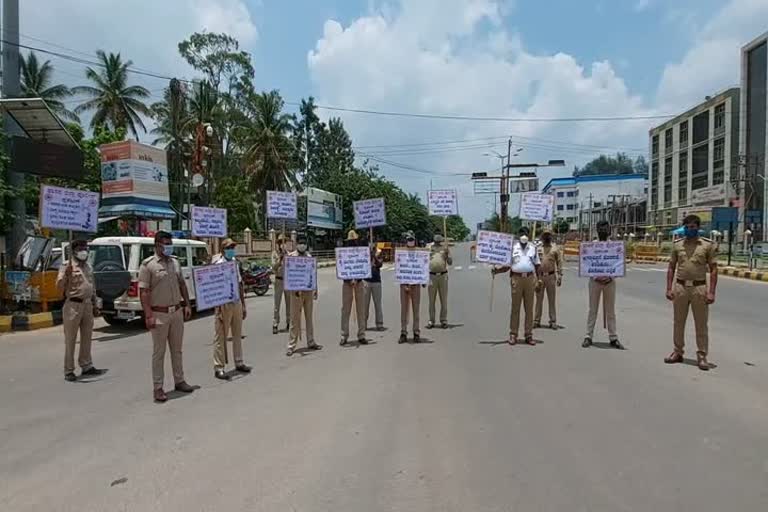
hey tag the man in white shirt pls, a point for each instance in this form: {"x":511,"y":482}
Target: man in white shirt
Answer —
{"x":524,"y":271}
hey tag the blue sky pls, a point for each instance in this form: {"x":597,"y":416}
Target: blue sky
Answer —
{"x":501,"y":58}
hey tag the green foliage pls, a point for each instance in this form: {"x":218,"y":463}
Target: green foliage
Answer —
{"x":232,"y":193}
{"x":454,"y":225}
{"x":561,"y":226}
{"x":6,"y":217}
{"x":620,"y":164}
{"x":493,"y":223}
{"x":36,"y":81}
{"x":218,"y":57}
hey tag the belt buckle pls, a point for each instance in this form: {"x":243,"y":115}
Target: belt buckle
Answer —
{"x":688,"y":283}
{"x":171,"y":309}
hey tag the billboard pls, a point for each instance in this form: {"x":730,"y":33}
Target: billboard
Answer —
{"x":133,"y":170}
{"x":323,"y":209}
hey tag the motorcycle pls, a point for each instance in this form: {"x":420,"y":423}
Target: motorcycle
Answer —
{"x":256,"y":279}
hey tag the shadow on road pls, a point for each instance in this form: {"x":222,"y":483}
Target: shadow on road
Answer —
{"x":603,"y":345}
{"x":175,"y":395}
{"x":691,"y":362}
{"x":493,"y":343}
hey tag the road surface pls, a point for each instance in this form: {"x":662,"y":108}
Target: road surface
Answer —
{"x":462,"y":422}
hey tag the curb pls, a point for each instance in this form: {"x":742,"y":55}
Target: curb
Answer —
{"x":30,"y":322}
{"x":744,"y":274}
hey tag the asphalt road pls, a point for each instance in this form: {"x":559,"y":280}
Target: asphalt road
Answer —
{"x":460,"y":423}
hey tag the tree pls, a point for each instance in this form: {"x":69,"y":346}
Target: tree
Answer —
{"x":306,"y":131}
{"x":232,"y":194}
{"x":493,"y":223}
{"x":115,"y":103}
{"x":36,"y":81}
{"x":620,"y":164}
{"x":454,"y":224}
{"x":641,"y":165}
{"x":218,"y":57}
{"x":561,"y":226}
{"x":6,"y":214}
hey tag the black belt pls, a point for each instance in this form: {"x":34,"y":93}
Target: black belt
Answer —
{"x":523,"y":274}
{"x":279,"y":278}
{"x":550,"y":273}
{"x":691,"y":283}
{"x":438,"y":273}
{"x":75,"y":299}
{"x":166,"y":309}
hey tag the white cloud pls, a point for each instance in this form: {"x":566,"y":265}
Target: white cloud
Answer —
{"x":642,"y":5}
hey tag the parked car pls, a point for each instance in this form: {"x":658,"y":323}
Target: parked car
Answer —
{"x":115,"y":262}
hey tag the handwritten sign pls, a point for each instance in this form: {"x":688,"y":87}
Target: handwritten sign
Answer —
{"x":281,"y":205}
{"x":412,"y":266}
{"x":66,"y":208}
{"x":601,"y":259}
{"x":443,"y":202}
{"x":300,"y":273}
{"x":353,"y":263}
{"x":494,"y":248}
{"x":535,"y":206}
{"x":209,"y":221}
{"x":216,"y":285}
{"x":370,"y":213}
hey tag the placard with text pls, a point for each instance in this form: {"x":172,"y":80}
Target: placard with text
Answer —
{"x":216,"y":285}
{"x":494,"y":248}
{"x":443,"y":202}
{"x":412,"y":266}
{"x":281,"y":205}
{"x":300,"y":273}
{"x":537,"y":207}
{"x":209,"y":222}
{"x":602,"y":259}
{"x":67,"y":208}
{"x":353,"y":263}
{"x":370,"y":213}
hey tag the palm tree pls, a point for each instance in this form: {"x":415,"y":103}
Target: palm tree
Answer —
{"x":265,"y":143}
{"x":36,"y":81}
{"x":114,"y":102}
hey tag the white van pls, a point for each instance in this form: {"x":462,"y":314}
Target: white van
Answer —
{"x":116,"y":255}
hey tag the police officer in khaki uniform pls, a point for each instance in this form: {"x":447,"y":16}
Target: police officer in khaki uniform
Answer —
{"x":353,"y":290}
{"x":76,"y":281}
{"x":410,"y":300}
{"x":165,"y":301}
{"x":523,"y":272}
{"x":229,"y":319}
{"x":277,"y":267}
{"x":302,"y":301}
{"x":605,"y":286}
{"x":692,"y":257}
{"x":439,"y":260}
{"x":551,"y":278}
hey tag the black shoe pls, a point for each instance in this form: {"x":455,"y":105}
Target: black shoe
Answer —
{"x":92,"y":372}
{"x":444,"y":325}
{"x":403,"y":339}
{"x":70,"y":377}
{"x":430,"y":325}
{"x":184,"y":387}
{"x":587,"y":343}
{"x":617,"y":345}
{"x":343,"y":342}
{"x":243,"y":368}
{"x":362,"y":341}
{"x":553,"y":326}
{"x":221,"y":375}
{"x":274,"y":329}
{"x":315,"y":346}
{"x":289,"y":352}
{"x":537,"y":325}
{"x":416,"y":338}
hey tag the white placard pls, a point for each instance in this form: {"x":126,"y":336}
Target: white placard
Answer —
{"x":216,"y":285}
{"x":494,"y":248}
{"x":300,"y":273}
{"x":210,"y":222}
{"x":443,"y":202}
{"x":370,"y":213}
{"x":535,"y":206}
{"x":412,"y":266}
{"x":66,"y":208}
{"x":601,"y":259}
{"x":281,"y":205}
{"x":353,"y":263}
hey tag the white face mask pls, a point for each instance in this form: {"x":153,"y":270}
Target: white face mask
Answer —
{"x":411,"y":243}
{"x":81,"y":255}
{"x":523,"y":239}
{"x":301,"y":247}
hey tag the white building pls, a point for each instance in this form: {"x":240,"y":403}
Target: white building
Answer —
{"x":692,"y":158}
{"x":754,"y":136}
{"x":588,"y":192}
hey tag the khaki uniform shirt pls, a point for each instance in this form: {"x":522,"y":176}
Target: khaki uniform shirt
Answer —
{"x":551,"y":259}
{"x":80,"y":284}
{"x":439,"y":258}
{"x":162,"y":277}
{"x":693,"y":258}
{"x":277,"y":263}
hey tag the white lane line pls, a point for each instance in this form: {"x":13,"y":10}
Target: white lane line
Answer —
{"x":458,"y":268}
{"x":472,"y":267}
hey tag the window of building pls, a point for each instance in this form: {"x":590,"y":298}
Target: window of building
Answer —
{"x":757,"y":123}
{"x":718,"y":162}
{"x":683,"y":134}
{"x":720,"y":118}
{"x":668,"y":182}
{"x":654,"y":185}
{"x":560,"y":194}
{"x":668,"y":141}
{"x":701,"y":127}
{"x":571,"y":206}
{"x":560,"y":207}
{"x":655,"y":147}
{"x":571,"y":194}
{"x":682,"y":181}
{"x":597,"y":204}
{"x":700,"y":167}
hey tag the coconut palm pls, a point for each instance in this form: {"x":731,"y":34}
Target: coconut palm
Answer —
{"x":36,"y":81}
{"x":114,"y":103}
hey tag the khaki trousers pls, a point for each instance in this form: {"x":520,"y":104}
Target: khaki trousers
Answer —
{"x":301,"y":301}
{"x":281,"y":294}
{"x":438,"y":285}
{"x":695,"y":298}
{"x":608,"y":292}
{"x":169,"y":330}
{"x":77,"y":316}
{"x":523,"y":290}
{"x":353,"y":292}
{"x":549,"y":286}
{"x":373,"y":291}
{"x":410,"y":299}
{"x":229,"y":319}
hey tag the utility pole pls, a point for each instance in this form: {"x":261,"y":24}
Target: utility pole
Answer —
{"x":12,"y":89}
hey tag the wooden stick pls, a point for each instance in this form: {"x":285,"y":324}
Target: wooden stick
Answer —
{"x":493,"y":281}
{"x":445,"y":227}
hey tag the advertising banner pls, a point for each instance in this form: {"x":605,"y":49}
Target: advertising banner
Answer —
{"x":216,"y":285}
{"x":601,"y":259}
{"x":133,"y":170}
{"x":370,"y":213}
{"x":494,"y":248}
{"x":66,"y":208}
{"x":353,"y":263}
{"x":323,"y":209}
{"x":412,"y":266}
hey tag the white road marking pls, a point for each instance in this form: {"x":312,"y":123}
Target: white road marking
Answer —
{"x":472,"y":267}
{"x":458,"y":268}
